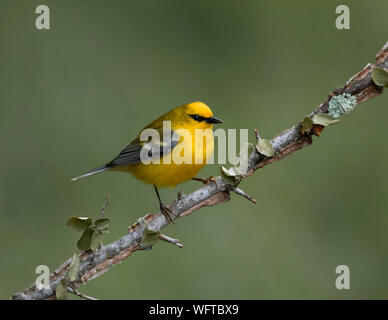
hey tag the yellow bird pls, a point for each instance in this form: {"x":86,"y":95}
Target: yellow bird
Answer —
{"x":168,"y":173}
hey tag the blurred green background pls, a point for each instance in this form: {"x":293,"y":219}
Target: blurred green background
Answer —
{"x":73,"y":96}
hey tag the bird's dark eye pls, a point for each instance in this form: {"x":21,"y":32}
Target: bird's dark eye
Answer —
{"x":196,"y":117}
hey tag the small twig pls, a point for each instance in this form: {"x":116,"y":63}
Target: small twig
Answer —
{"x":206,"y":181}
{"x":181,"y":195}
{"x":77,"y":293}
{"x":170,"y":240}
{"x":257,"y":135}
{"x":104,"y":206}
{"x":243,"y":194}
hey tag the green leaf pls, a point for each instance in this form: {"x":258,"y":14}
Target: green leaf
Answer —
{"x":79,"y":223}
{"x":61,"y":290}
{"x":150,"y":237}
{"x":240,"y":167}
{"x":74,"y":267}
{"x":85,"y":240}
{"x":324,"y":119}
{"x":227,"y":177}
{"x":231,"y":172}
{"x":380,"y":76}
{"x":307,"y":124}
{"x":265,"y":147}
{"x":102,"y":225}
{"x":96,"y":239}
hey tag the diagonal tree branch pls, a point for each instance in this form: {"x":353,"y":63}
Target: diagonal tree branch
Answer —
{"x":93,"y":264}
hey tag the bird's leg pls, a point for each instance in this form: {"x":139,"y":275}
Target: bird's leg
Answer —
{"x":211,"y":179}
{"x":163,"y":208}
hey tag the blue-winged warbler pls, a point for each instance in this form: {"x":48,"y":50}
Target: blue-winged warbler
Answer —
{"x":164,"y":170}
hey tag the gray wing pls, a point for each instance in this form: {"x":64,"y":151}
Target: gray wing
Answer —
{"x":131,"y":154}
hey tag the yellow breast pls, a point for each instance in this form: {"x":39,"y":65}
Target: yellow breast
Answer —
{"x":168,"y":173}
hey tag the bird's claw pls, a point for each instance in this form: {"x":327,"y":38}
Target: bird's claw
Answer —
{"x":166,"y":211}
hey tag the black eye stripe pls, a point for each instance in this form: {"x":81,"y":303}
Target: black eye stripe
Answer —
{"x":197,"y":117}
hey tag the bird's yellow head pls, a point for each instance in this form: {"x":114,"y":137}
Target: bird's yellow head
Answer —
{"x":199,"y":115}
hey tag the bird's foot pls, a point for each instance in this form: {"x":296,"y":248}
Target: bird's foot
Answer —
{"x":205,"y":181}
{"x":166,"y":211}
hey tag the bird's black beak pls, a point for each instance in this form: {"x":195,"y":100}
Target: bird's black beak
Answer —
{"x":214,"y":120}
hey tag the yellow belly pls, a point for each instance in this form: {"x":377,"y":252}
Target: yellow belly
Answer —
{"x":163,"y":175}
{"x":172,"y":174}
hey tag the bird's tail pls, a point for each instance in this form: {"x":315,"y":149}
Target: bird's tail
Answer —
{"x":91,"y":172}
